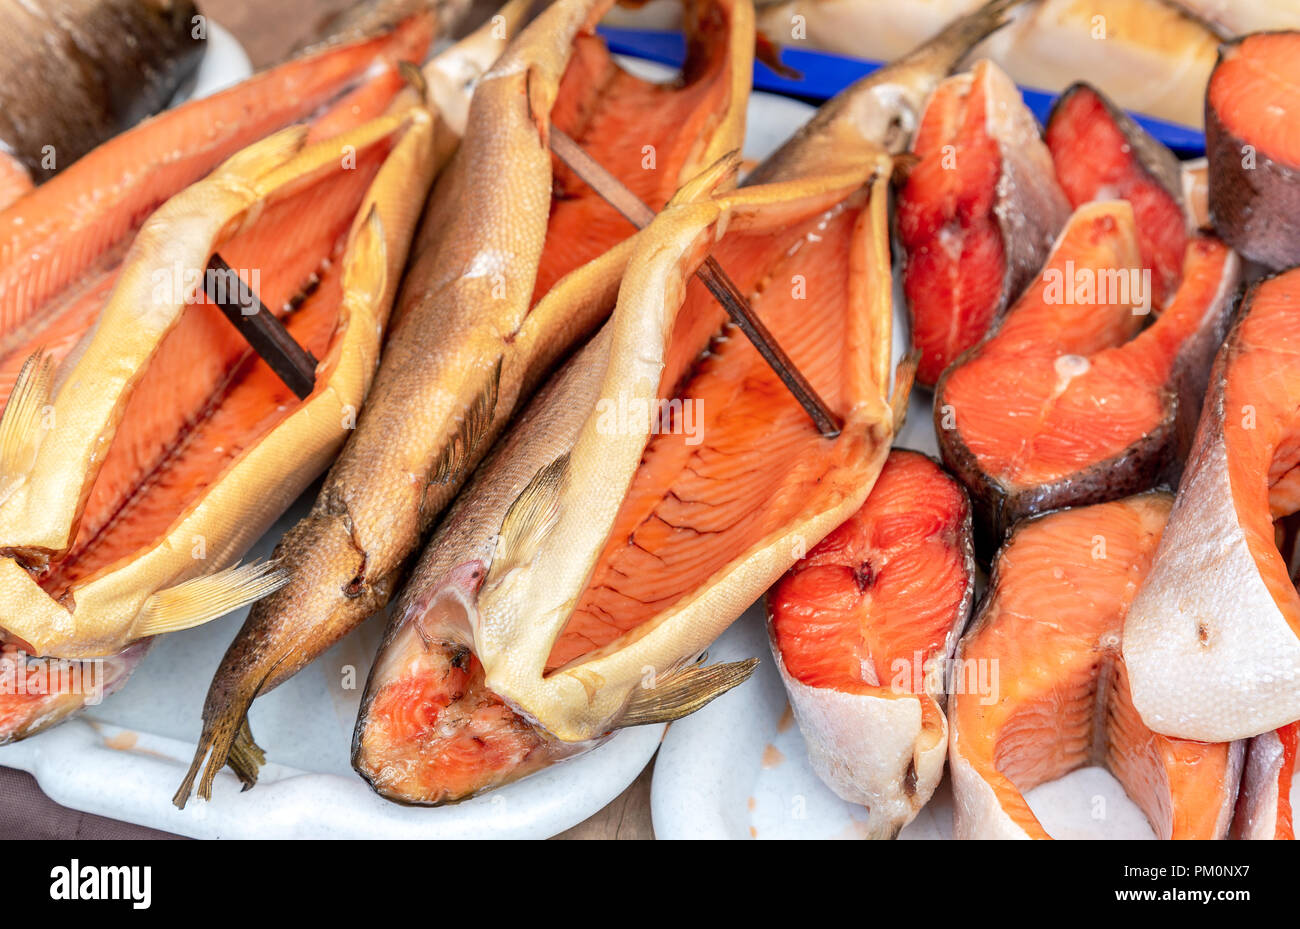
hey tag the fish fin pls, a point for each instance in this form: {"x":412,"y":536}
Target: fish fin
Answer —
{"x":415,"y":77}
{"x":238,"y":750}
{"x":903,"y":165}
{"x":19,"y":437}
{"x":252,"y":164}
{"x":680,"y":693}
{"x":203,"y":599}
{"x":904,"y":378}
{"x":529,"y":519}
{"x":721,"y":175}
{"x":769,"y":52}
{"x":451,"y":464}
{"x":246,"y":756}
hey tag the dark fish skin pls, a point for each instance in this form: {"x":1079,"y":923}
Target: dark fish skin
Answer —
{"x":74,"y":73}
{"x":1255,"y":208}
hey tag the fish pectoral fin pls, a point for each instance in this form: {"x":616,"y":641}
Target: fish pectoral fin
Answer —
{"x":19,"y":425}
{"x":204,"y":599}
{"x":680,"y":693}
{"x":904,"y":378}
{"x":528,"y":521}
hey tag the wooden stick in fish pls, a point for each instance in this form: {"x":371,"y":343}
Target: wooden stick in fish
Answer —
{"x":712,"y":275}
{"x":290,"y":362}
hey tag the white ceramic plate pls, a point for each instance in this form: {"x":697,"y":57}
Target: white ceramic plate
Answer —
{"x":125,"y":758}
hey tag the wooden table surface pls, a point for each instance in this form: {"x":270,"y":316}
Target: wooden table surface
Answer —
{"x":268,"y":31}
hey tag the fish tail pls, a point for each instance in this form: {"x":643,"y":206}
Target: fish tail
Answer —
{"x":227,"y":739}
{"x":904,"y":379}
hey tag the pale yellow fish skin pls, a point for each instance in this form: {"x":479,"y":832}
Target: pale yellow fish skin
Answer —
{"x":463,"y":331}
{"x":95,"y":384}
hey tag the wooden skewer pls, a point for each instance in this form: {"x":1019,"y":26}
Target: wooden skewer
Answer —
{"x":292,"y":363}
{"x":723,"y":288}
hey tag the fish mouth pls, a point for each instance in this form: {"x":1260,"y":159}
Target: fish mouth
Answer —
{"x":162,"y":419}
{"x":429,"y":731}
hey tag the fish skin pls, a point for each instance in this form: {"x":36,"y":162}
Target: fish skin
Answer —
{"x":871,"y":748}
{"x":1254,"y":202}
{"x":42,"y":511}
{"x":22,"y":718}
{"x":449,"y":399}
{"x":1264,"y":800}
{"x":75,"y":73}
{"x":987,"y":803}
{"x":1212,"y":653}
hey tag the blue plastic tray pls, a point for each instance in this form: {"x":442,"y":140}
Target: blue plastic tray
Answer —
{"x":823,"y":75}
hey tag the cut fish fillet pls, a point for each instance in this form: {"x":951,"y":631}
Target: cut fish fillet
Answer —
{"x":978,"y":214}
{"x":862,"y":629}
{"x":1047,"y":640}
{"x":1213,"y":639}
{"x":600,"y":549}
{"x":1252,"y":109}
{"x":1102,"y":154}
{"x":164,"y":447}
{"x":1067,"y":402}
{"x":62,"y":247}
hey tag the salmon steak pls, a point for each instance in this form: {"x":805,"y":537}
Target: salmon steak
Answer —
{"x":862,"y":629}
{"x":1264,"y":803}
{"x":1252,"y":109}
{"x":1100,"y":153}
{"x":1213,"y":639}
{"x":62,"y":246}
{"x":134,"y":475}
{"x":504,"y":280}
{"x":1040,"y":686}
{"x":1017,"y":418}
{"x":977,"y":215}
